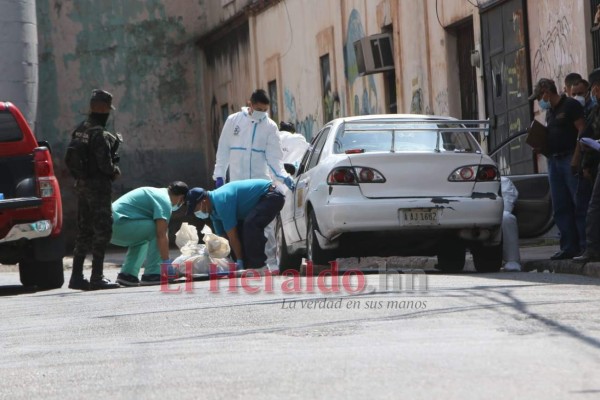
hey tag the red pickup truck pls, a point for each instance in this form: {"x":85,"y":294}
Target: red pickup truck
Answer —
{"x":30,"y":204}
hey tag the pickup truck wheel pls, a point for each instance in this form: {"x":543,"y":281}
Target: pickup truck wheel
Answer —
{"x":314,"y":252}
{"x":451,"y":255}
{"x":43,"y":274}
{"x":284,"y":259}
{"x":487,"y":258}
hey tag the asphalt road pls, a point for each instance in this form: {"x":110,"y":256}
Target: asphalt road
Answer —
{"x":467,"y":336}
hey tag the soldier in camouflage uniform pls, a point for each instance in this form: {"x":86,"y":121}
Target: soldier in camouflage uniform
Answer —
{"x":591,"y":159}
{"x":94,"y":215}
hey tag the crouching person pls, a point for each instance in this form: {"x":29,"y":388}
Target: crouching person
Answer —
{"x":510,"y":229}
{"x":240,"y":211}
{"x":140,"y":223}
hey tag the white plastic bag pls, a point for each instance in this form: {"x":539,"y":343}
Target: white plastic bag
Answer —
{"x":187,"y":233}
{"x":217,"y":246}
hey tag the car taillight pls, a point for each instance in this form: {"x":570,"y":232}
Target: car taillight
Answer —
{"x":354,"y":176}
{"x":487,"y":173}
{"x":44,"y":171}
{"x":342,"y":176}
{"x":478,"y":173}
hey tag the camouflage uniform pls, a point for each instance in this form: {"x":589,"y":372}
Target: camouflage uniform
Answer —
{"x":94,"y":215}
{"x":590,"y":161}
{"x":591,"y":158}
{"x":94,"y":187}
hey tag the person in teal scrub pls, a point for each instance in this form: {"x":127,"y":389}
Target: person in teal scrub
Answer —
{"x":140,"y":221}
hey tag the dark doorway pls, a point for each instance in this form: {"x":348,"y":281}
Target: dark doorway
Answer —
{"x":465,"y":44}
{"x":594,"y":4}
{"x":506,"y":69}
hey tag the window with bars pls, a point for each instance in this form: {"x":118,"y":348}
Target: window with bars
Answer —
{"x":595,"y":33}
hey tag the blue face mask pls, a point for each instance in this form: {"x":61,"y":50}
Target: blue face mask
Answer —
{"x":594,"y":100}
{"x":544,"y":104}
{"x":176,"y":207}
{"x":201,"y":214}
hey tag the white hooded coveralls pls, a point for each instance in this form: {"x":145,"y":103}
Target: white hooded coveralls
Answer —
{"x":251,"y":149}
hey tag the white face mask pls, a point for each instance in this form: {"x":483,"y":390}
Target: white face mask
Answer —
{"x":258,"y":115}
{"x":580,"y":99}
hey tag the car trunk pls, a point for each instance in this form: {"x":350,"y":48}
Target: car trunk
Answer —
{"x":415,"y":174}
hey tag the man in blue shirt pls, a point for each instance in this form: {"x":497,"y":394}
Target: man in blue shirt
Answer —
{"x":241,"y":211}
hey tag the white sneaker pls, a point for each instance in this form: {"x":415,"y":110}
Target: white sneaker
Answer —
{"x":512,"y":266}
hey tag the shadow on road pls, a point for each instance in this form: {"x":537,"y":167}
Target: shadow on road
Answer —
{"x":13,"y":290}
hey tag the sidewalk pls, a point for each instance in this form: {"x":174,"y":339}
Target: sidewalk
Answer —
{"x":533,"y":258}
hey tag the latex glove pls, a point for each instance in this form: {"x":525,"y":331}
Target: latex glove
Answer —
{"x":167,"y":269}
{"x":219,"y":182}
{"x":289,"y":183}
{"x":239,"y":264}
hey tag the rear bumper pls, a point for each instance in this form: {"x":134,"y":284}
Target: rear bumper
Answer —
{"x":343,"y":215}
{"x":32,"y":230}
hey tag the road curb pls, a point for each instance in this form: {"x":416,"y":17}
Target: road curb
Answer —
{"x":591,"y":269}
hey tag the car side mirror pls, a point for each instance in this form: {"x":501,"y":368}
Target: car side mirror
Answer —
{"x":290,"y":168}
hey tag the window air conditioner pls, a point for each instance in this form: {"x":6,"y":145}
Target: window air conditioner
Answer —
{"x":374,"y":54}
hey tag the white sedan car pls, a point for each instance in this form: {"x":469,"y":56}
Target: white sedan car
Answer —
{"x":385,"y":185}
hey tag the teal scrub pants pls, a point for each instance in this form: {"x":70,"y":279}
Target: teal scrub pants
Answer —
{"x":139,"y":236}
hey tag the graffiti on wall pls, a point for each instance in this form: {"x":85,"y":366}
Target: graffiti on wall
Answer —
{"x":306,"y":126}
{"x":416,"y":103}
{"x":441,"y":103}
{"x":362,"y":89}
{"x":553,"y":58}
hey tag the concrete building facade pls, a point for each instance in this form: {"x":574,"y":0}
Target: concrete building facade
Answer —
{"x":468,"y":59}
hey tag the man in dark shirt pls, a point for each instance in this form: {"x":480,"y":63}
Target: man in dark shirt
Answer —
{"x":591,"y":158}
{"x":564,"y":121}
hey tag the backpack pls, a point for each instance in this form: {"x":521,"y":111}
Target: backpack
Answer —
{"x":78,"y":152}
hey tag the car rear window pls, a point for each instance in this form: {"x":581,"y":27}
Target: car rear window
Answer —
{"x":405,"y":138}
{"x":9,"y":129}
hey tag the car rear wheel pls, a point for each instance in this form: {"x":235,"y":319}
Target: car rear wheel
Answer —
{"x":314,"y":252}
{"x":43,"y":274}
{"x":284,"y":259}
{"x":487,"y":258}
{"x":451,"y":255}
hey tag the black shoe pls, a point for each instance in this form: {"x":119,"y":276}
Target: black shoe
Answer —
{"x":587,"y":256}
{"x":562,"y":255}
{"x":102,"y":283}
{"x":79,"y":283}
{"x":125,"y":279}
{"x":150,"y":280}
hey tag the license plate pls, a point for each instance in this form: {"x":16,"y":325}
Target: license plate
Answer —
{"x":419,"y":216}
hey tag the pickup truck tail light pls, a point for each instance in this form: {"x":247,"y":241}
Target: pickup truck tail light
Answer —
{"x":44,"y":171}
{"x":48,"y":188}
{"x":475,"y":173}
{"x":354,"y":176}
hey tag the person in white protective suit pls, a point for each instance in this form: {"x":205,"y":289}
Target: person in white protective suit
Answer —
{"x":510,"y":230}
{"x":293,"y":145}
{"x":250,"y":146}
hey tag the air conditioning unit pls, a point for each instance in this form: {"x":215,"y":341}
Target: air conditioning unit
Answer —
{"x":374,"y":54}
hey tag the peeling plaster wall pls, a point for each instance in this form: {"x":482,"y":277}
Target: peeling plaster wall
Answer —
{"x":557,"y":32}
{"x":143,"y":52}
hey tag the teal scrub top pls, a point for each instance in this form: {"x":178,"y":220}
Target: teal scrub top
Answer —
{"x":143,"y":203}
{"x":234,"y":201}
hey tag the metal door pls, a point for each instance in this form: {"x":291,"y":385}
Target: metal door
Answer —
{"x":507,"y":82}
